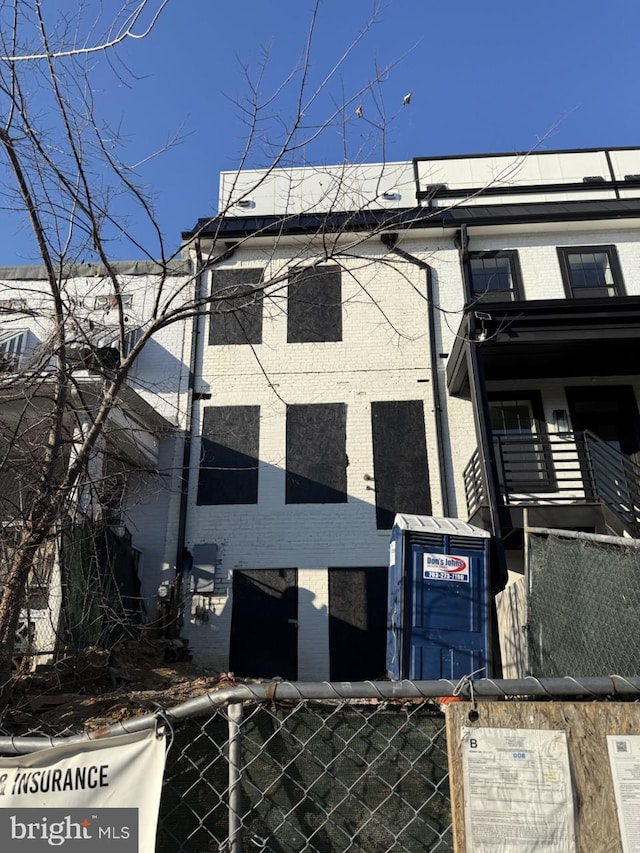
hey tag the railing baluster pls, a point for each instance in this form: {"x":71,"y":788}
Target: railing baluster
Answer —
{"x":560,"y":468}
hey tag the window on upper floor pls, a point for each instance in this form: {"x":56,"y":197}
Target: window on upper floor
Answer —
{"x":131,"y":338}
{"x":9,"y":305}
{"x":236,"y":306}
{"x":12,"y":346}
{"x":12,"y":341}
{"x":316,"y":454}
{"x":314,"y":305}
{"x":110,"y":301}
{"x":590,"y":271}
{"x":495,"y":276}
{"x":229,"y":456}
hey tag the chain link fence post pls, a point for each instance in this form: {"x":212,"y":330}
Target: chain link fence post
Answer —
{"x":235,"y":775}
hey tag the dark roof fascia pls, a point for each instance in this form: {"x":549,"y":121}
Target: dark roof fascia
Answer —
{"x":509,"y":323}
{"x":560,"y":311}
{"x":535,"y":152}
{"x":234,"y":227}
{"x":38,"y":272}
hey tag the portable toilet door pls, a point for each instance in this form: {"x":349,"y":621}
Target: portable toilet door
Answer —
{"x":439,"y":599}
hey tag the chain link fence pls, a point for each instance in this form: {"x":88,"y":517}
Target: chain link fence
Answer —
{"x":320,"y":768}
{"x":313,"y":776}
{"x":584,"y":600}
{"x":316,"y":768}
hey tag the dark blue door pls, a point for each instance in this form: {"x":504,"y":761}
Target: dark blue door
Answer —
{"x":447,"y":608}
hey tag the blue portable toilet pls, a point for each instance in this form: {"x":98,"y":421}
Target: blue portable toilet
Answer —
{"x":439,"y":599}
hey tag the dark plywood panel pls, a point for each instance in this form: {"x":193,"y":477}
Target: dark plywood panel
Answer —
{"x":399,"y":460}
{"x":229,"y":457}
{"x":316,"y":453}
{"x":264,"y":639}
{"x":315,"y":305}
{"x":357,"y":623}
{"x":236,"y":310}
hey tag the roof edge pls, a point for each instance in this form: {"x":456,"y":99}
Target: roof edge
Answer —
{"x":38,"y":272}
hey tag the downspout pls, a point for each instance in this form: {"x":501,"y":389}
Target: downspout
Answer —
{"x":482,"y":420}
{"x":201,"y":269}
{"x":186,"y":455}
{"x":389,"y":240}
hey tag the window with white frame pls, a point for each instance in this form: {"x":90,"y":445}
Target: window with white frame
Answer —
{"x":12,"y":345}
{"x":131,"y":338}
{"x":7,"y":305}
{"x":110,"y":301}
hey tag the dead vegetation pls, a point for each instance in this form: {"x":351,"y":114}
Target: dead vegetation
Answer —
{"x":98,"y":688}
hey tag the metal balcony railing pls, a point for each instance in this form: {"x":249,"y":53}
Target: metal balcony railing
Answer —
{"x":562,"y":468}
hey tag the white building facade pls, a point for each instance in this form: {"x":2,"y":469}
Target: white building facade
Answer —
{"x":132,"y":484}
{"x":421,"y":337}
{"x":447,"y":336}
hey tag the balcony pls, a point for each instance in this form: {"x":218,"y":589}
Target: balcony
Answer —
{"x":560,"y":470}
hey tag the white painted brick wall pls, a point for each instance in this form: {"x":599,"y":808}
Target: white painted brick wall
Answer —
{"x":383,"y":355}
{"x":313,"y":624}
{"x":160,"y":377}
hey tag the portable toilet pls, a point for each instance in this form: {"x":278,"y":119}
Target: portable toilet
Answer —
{"x":439,"y":599}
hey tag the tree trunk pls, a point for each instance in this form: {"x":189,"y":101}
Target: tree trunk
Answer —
{"x":12,"y":599}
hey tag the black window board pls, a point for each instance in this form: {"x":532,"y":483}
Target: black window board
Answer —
{"x":236,"y":307}
{"x":229,"y":456}
{"x":401,"y":470}
{"x":314,"y":305}
{"x":316,"y":453}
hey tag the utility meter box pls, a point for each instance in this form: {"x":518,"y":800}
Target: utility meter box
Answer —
{"x":439,"y":599}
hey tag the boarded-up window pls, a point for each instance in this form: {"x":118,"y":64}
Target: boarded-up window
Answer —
{"x":229,"y":457}
{"x":236,"y":307}
{"x":315,"y":305}
{"x":400,"y":460}
{"x":316,"y":454}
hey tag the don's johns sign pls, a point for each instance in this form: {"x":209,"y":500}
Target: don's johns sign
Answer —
{"x":99,"y":794}
{"x":445,"y":567}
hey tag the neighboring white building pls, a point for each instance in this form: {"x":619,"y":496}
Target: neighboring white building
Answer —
{"x":429,"y":337}
{"x":133,"y":481}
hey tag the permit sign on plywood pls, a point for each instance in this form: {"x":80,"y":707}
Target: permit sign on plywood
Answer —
{"x":98,"y":794}
{"x":624,"y":759}
{"x":518,"y":796}
{"x":445,"y":567}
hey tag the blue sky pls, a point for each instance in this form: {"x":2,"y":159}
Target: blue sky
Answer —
{"x":484,"y":76}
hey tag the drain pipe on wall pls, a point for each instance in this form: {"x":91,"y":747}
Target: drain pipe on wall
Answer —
{"x":390,"y":240}
{"x":482,"y":419}
{"x":201,"y":269}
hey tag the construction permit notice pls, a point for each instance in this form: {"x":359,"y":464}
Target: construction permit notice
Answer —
{"x":517,"y":791}
{"x":624,"y":758}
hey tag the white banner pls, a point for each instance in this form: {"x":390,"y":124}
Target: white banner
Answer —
{"x":106,"y":791}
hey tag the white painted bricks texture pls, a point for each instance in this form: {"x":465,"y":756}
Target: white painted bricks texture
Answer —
{"x":384,"y":355}
{"x":160,"y":378}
